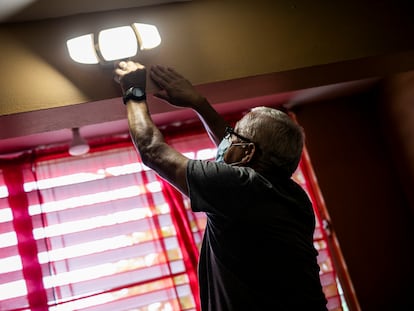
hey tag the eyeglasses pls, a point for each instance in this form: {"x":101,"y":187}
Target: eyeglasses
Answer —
{"x":227,"y":142}
{"x":230,"y":131}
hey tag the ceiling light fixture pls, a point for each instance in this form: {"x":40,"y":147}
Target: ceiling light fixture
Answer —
{"x":113,"y":44}
{"x":78,"y":146}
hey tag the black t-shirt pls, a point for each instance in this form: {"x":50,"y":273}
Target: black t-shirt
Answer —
{"x":257,"y":251}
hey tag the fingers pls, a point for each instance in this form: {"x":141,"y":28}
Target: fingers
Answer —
{"x":159,"y":76}
{"x":164,"y":75}
{"x":124,"y":67}
{"x":119,"y":72}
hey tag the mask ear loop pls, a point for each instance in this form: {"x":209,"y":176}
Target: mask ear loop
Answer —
{"x":249,"y":153}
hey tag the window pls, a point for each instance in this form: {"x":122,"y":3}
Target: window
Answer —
{"x":104,"y":232}
{"x":101,"y":236}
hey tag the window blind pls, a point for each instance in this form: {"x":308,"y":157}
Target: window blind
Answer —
{"x":104,"y":232}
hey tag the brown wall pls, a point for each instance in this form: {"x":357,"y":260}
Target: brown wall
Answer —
{"x":207,"y":40}
{"x":398,"y":112}
{"x":366,"y":198}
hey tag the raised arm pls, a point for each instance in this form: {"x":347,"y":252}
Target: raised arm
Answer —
{"x":148,"y":140}
{"x":178,"y":91}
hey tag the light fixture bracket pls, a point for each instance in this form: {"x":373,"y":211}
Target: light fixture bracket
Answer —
{"x":78,"y":145}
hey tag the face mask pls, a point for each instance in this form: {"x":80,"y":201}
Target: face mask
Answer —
{"x":222,"y":148}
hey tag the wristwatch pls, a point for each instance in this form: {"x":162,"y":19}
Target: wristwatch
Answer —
{"x":135,"y":93}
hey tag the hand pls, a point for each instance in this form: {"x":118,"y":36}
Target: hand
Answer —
{"x":175,"y":88}
{"x":129,"y":73}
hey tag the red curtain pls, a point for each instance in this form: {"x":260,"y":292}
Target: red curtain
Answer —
{"x":18,"y":202}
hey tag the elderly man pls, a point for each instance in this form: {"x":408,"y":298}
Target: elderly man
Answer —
{"x":257,"y":251}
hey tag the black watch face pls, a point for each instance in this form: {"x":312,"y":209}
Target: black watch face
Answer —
{"x":136,"y":91}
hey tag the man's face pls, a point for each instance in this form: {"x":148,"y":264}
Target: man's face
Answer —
{"x":233,"y":148}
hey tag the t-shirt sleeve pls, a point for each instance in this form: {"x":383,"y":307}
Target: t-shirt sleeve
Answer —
{"x":213,"y":187}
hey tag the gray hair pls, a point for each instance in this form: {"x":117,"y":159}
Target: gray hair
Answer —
{"x":279,"y":138}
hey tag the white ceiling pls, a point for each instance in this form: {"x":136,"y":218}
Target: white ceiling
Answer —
{"x":27,"y":10}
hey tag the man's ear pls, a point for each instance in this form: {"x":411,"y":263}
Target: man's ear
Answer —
{"x":248,"y":153}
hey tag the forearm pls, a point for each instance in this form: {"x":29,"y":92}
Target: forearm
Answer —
{"x":213,"y":122}
{"x":144,"y":134}
{"x":154,"y":151}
